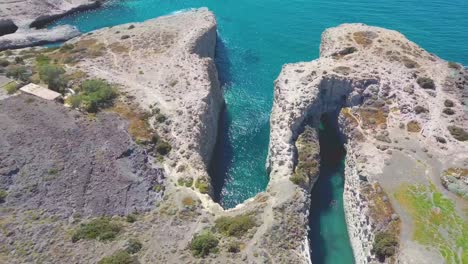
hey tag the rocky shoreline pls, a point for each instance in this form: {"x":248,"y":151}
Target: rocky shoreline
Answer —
{"x":384,"y":89}
{"x":22,"y":23}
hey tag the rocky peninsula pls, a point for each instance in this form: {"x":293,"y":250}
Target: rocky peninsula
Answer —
{"x":23,"y":22}
{"x":125,"y":180}
{"x":403,"y":114}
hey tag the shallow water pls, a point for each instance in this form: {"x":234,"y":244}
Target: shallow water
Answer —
{"x":256,"y":38}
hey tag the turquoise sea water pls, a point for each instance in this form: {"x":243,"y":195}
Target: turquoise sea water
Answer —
{"x":328,"y":236}
{"x":256,"y":38}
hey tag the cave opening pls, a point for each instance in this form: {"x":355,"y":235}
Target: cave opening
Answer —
{"x":328,"y":234}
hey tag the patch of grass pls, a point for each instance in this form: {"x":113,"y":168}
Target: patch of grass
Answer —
{"x":102,"y":228}
{"x":234,"y":225}
{"x":458,"y":133}
{"x":138,"y":125}
{"x":203,"y":244}
{"x":435,"y":220}
{"x":42,"y":60}
{"x":426,"y":83}
{"x":119,"y":257}
{"x":131,"y":218}
{"x":95,"y":94}
{"x":3,"y":196}
{"x":11,"y":87}
{"x":133,"y":246}
{"x":203,"y":185}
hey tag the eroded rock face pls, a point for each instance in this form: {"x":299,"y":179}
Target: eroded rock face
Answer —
{"x":379,"y":81}
{"x":58,"y":161}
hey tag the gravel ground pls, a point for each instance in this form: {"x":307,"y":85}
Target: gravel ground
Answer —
{"x":64,"y":162}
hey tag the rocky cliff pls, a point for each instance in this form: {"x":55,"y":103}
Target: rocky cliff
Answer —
{"x":403,"y":112}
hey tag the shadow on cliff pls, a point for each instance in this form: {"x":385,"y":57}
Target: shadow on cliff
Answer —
{"x":223,"y":152}
{"x":222,"y":157}
{"x":322,"y":233}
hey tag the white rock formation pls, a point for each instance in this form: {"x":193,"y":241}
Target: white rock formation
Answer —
{"x":28,"y":15}
{"x":390,"y":91}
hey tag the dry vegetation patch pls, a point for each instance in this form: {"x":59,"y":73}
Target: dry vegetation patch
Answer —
{"x":413,"y":126}
{"x":138,"y":126}
{"x":372,"y":117}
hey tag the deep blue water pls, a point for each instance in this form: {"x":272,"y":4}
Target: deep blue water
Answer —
{"x":257,"y":37}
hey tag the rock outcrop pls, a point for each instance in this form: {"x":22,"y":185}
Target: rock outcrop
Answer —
{"x":390,"y":94}
{"x":20,"y":21}
{"x":167,"y":64}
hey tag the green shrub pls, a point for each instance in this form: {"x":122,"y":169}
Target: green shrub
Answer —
{"x":95,"y":94}
{"x":449,"y":103}
{"x":160,"y":118}
{"x":19,"y":60}
{"x":185,"y":181}
{"x":4,"y":63}
{"x":42,"y":60}
{"x":3,"y":195}
{"x":131,"y":218}
{"x":448,"y":111}
{"x":163,"y":148}
{"x":53,"y":76}
{"x":158,"y":188}
{"x":203,"y":244}
{"x":119,"y":257}
{"x":202,"y":184}
{"x":18,"y":72}
{"x":233,"y":247}
{"x":11,"y":87}
{"x":234,"y":226}
{"x":298,"y":179}
{"x":384,"y":245}
{"x":100,"y":228}
{"x":458,"y":133}
{"x":133,"y":246}
{"x":426,"y":83}
{"x":454,"y":65}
